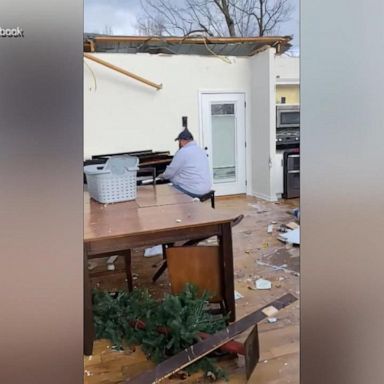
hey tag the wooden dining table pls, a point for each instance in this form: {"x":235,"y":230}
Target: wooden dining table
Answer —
{"x":159,"y":215}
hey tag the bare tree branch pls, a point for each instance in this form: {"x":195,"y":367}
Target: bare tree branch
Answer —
{"x":212,"y":17}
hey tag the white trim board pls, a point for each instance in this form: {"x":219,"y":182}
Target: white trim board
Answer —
{"x":265,"y":197}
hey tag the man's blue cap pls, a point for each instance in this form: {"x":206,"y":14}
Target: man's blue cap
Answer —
{"x":184,"y":135}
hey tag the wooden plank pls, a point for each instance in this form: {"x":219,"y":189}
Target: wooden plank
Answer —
{"x":202,"y":348}
{"x":252,"y":351}
{"x":225,"y":243}
{"x":89,"y":330}
{"x":123,"y":71}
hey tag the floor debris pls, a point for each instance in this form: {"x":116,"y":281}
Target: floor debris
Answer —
{"x":270,"y":228}
{"x":213,"y":342}
{"x":238,"y":295}
{"x":153,"y":251}
{"x":259,"y":208}
{"x":292,"y":236}
{"x":292,"y":225}
{"x":92,"y":265}
{"x":111,"y":262}
{"x":263,"y":284}
{"x":251,"y":236}
{"x":275,"y":267}
{"x":270,"y":311}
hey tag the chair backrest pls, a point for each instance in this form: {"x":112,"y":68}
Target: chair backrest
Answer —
{"x":199,"y":265}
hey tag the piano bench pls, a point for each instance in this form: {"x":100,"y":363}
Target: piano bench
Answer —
{"x":210,"y":195}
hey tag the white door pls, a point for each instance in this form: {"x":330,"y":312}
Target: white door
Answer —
{"x":223,"y":137}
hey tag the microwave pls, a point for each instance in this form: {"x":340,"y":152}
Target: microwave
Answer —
{"x":287,"y":116}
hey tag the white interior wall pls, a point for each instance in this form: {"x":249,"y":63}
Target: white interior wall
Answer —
{"x":287,"y":69}
{"x":263,"y":123}
{"x":123,"y":114}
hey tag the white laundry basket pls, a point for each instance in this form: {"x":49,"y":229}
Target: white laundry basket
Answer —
{"x":114,"y":181}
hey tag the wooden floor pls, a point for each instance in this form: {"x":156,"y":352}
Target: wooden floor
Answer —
{"x":256,"y":254}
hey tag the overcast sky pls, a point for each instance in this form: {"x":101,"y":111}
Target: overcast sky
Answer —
{"x":120,"y":16}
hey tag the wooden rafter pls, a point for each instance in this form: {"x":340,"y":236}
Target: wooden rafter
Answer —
{"x":194,"y":40}
{"x":123,"y":71}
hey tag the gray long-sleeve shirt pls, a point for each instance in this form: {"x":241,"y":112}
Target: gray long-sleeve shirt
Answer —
{"x":189,"y":169}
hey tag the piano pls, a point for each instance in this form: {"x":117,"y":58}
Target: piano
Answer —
{"x":151,"y":164}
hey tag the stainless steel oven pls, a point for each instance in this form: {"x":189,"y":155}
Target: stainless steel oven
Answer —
{"x":291,"y":174}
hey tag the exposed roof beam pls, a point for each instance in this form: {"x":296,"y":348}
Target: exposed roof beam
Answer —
{"x":195,"y":40}
{"x":123,"y":71}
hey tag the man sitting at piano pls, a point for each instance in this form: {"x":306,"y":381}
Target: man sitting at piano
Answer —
{"x":189,"y":170}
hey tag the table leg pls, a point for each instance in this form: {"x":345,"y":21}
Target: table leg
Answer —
{"x":89,"y":331}
{"x":226,"y":252}
{"x":128,"y":268}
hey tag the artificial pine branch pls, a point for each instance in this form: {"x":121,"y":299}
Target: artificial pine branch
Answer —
{"x":162,"y":328}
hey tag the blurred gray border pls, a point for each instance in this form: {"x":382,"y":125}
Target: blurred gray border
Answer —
{"x":41,"y":209}
{"x":342,"y":192}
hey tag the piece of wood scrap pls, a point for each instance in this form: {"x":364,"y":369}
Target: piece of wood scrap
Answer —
{"x":292,"y":225}
{"x":211,"y":343}
{"x":270,"y":311}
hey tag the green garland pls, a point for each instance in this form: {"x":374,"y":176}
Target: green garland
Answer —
{"x":184,"y":316}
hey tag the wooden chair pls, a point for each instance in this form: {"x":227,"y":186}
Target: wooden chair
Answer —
{"x":199,"y":265}
{"x":188,"y":243}
{"x":128,"y":269}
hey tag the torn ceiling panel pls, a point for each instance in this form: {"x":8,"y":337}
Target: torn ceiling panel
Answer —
{"x":205,"y":46}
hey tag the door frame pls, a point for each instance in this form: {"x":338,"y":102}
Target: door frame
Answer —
{"x":203,"y":92}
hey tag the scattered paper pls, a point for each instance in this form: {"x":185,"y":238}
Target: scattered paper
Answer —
{"x":259,"y":208}
{"x":292,"y":237}
{"x":153,"y":251}
{"x":263,"y":284}
{"x":270,"y":228}
{"x":238,"y":295}
{"x":272,"y":319}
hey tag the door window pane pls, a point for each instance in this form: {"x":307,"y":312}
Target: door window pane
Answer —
{"x":223,"y":142}
{"x":223,"y":109}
